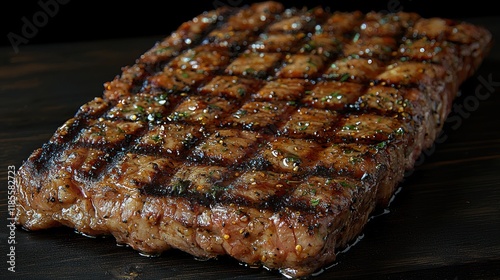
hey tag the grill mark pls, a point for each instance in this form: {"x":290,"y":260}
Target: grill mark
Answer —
{"x":158,"y":66}
{"x":237,"y":50}
{"x":253,"y":161}
{"x":64,"y":135}
{"x":277,"y":203}
{"x":49,"y":150}
{"x":281,"y":63}
{"x":396,"y":56}
{"x":111,"y":157}
{"x":154,"y":150}
{"x":43,"y":155}
{"x":112,"y":153}
{"x":95,"y":173}
{"x":256,"y":162}
{"x":203,"y":40}
{"x":375,"y":82}
{"x":164,"y":185}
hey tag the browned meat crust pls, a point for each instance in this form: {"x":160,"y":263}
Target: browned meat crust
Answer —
{"x":263,"y":133}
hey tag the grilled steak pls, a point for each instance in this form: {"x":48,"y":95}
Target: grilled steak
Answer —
{"x":265,"y":133}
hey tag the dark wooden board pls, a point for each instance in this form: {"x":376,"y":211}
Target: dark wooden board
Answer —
{"x":444,"y":222}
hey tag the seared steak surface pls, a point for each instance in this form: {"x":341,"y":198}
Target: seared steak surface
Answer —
{"x":265,"y":133}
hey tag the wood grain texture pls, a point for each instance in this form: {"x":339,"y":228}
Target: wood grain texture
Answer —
{"x":444,"y":223}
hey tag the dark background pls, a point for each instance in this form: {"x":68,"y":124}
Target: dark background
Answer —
{"x":79,"y":20}
{"x":443,"y":224}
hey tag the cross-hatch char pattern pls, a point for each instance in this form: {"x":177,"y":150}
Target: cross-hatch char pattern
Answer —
{"x":266,"y":133}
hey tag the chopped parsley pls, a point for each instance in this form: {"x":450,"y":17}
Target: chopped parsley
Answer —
{"x":314,"y":202}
